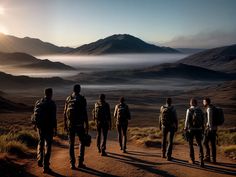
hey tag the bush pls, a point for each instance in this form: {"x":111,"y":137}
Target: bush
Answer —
{"x":230,"y":151}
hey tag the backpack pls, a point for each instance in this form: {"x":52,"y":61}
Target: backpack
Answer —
{"x":166,"y":116}
{"x":218,"y":116}
{"x":122,"y":113}
{"x":100,"y":111}
{"x":197,"y":118}
{"x":75,"y":110}
{"x":38,"y":117}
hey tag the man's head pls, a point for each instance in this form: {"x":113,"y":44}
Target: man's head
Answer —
{"x":206,"y":101}
{"x":48,"y":93}
{"x":169,"y":101}
{"x":76,"y":88}
{"x":122,"y":99}
{"x":193,"y":102}
{"x":102,"y":97}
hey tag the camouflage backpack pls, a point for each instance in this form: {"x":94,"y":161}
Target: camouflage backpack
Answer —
{"x":166,"y":116}
{"x":100,"y":111}
{"x":38,"y":115}
{"x":197,"y":118}
{"x":74,"y":110}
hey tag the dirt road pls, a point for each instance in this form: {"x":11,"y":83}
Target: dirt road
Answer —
{"x":138,"y":162}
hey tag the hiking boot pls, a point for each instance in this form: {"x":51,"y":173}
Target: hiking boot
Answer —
{"x":206,"y":159}
{"x":72,"y":167}
{"x":104,"y":153}
{"x":214,"y":161}
{"x":47,"y":170}
{"x":81,"y":165}
{"x":169,"y":158}
{"x":202,"y":164}
{"x":121,"y":148}
{"x":99,"y":150}
{"x":124,"y":151}
{"x":40,"y":164}
{"x":191,"y":161}
{"x":163,"y":156}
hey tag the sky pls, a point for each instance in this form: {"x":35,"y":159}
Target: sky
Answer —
{"x":174,"y":23}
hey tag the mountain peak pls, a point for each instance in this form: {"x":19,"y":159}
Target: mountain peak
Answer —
{"x":120,"y":44}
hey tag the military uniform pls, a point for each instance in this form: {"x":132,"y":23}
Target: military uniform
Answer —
{"x":75,"y":117}
{"x":45,"y":126}
{"x":102,"y":117}
{"x":122,"y":115}
{"x":168,"y":126}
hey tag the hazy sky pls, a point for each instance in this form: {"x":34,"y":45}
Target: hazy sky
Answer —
{"x":176,"y":23}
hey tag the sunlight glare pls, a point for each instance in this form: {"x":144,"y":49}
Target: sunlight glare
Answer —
{"x":2,"y":10}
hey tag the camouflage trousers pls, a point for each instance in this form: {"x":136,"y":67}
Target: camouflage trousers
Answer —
{"x":122,"y":135}
{"x":80,"y":132}
{"x":165,"y":132}
{"x":102,"y":129}
{"x":44,"y":147}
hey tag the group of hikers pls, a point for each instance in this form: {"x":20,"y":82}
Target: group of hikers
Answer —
{"x":76,"y":124}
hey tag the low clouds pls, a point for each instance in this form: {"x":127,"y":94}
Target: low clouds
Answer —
{"x":204,"y":40}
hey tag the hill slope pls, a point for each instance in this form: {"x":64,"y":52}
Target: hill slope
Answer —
{"x":11,"y":82}
{"x":24,"y":60}
{"x":29,"y":45}
{"x":9,"y":106}
{"x":219,"y":59}
{"x":118,"y":44}
{"x":163,"y":71}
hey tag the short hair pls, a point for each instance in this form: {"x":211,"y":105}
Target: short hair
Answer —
{"x":208,"y":100}
{"x":48,"y":92}
{"x":193,"y":101}
{"x":168,"y":101}
{"x":122,"y":99}
{"x":102,"y":97}
{"x":77,"y":88}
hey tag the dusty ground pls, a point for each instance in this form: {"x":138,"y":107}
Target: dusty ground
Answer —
{"x":138,"y":161}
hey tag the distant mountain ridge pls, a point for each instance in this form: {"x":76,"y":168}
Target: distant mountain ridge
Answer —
{"x":219,"y":59}
{"x":11,"y":82}
{"x":29,"y":45}
{"x":162,"y":71}
{"x":24,"y":60}
{"x":119,"y":44}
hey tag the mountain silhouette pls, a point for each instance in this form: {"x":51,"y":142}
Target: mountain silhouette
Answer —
{"x":162,"y":71}
{"x":119,"y":44}
{"x":29,"y":45}
{"x":11,"y":82}
{"x":219,"y":59}
{"x":24,"y":60}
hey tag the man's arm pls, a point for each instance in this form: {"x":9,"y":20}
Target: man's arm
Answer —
{"x":128,"y":112}
{"x":160,"y":118}
{"x":65,"y":118}
{"x":176,"y":120}
{"x":86,"y":116}
{"x":109,"y":115}
{"x":186,"y":120}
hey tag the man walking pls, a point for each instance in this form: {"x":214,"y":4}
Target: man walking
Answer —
{"x":210,"y":131}
{"x":76,"y":123}
{"x":102,"y":117}
{"x":122,"y":115}
{"x":194,"y":124}
{"x":168,"y":123}
{"x":44,"y":118}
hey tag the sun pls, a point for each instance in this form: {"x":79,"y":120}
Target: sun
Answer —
{"x":2,"y":11}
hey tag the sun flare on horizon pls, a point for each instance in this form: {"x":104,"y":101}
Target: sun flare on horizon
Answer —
{"x":2,"y":10}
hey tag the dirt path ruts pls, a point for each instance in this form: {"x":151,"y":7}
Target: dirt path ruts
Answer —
{"x":138,"y":162}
